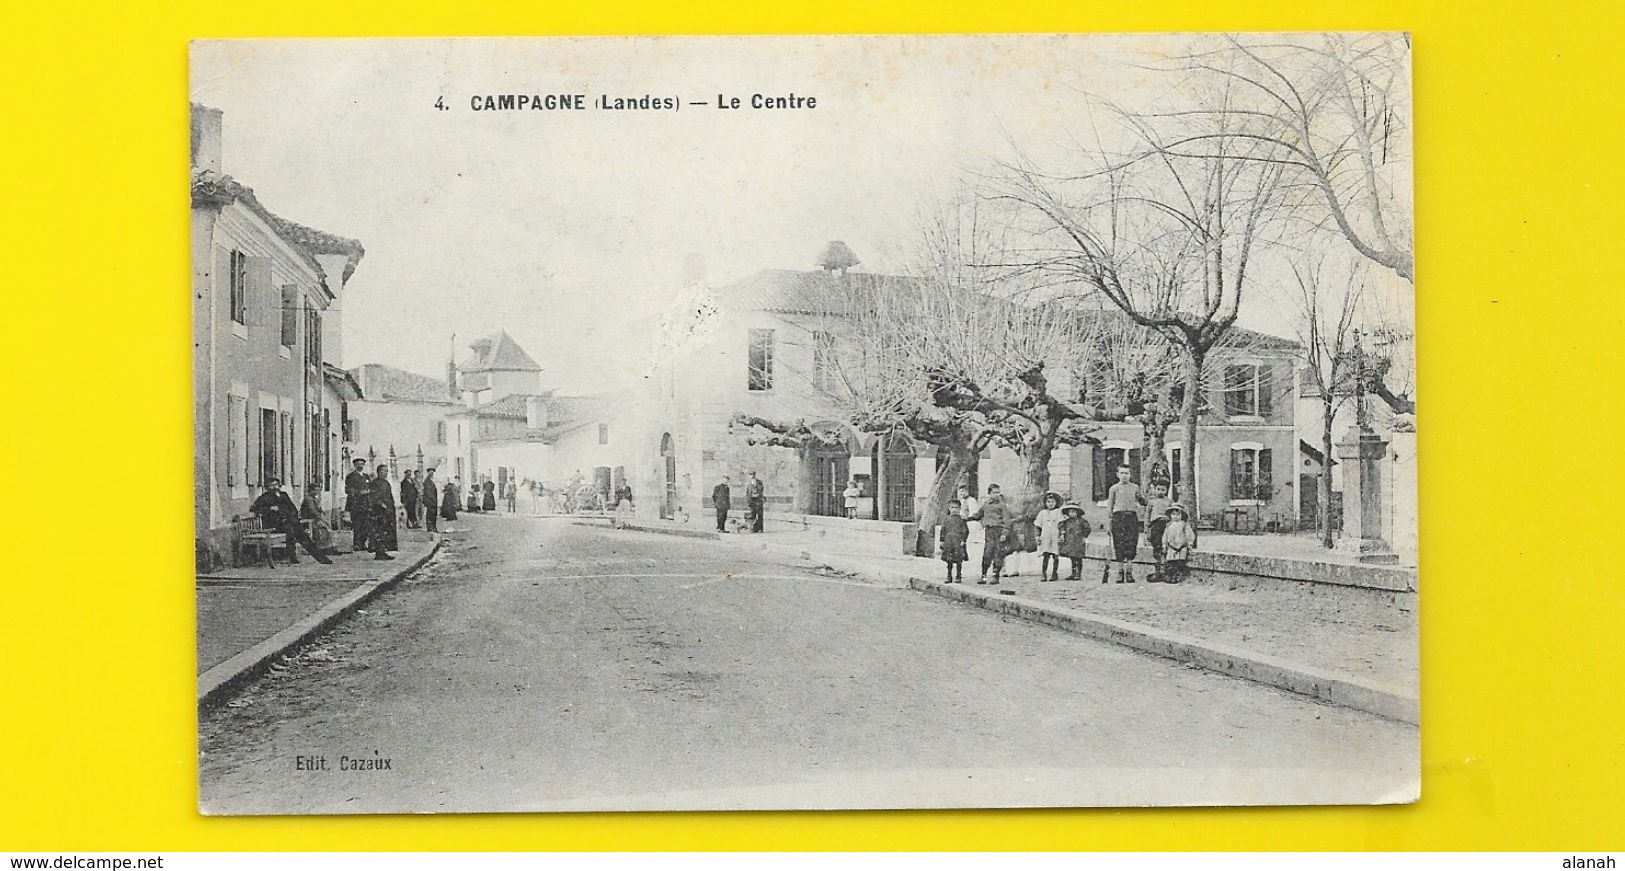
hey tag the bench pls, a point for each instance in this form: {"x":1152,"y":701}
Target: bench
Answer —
{"x":252,"y":534}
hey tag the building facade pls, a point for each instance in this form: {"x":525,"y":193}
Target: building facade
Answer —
{"x":264,"y":294}
{"x":767,"y":348}
{"x":400,"y":419}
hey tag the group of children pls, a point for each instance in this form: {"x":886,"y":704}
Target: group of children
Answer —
{"x":1063,"y":531}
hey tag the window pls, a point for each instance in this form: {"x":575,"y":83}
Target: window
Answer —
{"x":352,"y":430}
{"x":1107,"y":459}
{"x":239,"y":287}
{"x":286,"y":467}
{"x":290,"y":315}
{"x":761,"y":359}
{"x":1247,"y":391}
{"x":603,"y":433}
{"x":1251,"y":473}
{"x":824,"y":376}
{"x":236,"y":440}
{"x":438,"y":436}
{"x":268,"y":445}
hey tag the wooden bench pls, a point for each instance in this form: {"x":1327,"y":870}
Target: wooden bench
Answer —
{"x":252,"y":534}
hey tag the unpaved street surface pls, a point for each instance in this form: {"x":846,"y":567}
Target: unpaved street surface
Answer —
{"x":535,"y":664}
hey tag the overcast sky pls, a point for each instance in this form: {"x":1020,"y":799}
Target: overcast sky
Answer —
{"x":565,"y":227}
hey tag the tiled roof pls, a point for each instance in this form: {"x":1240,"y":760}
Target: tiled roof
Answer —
{"x":498,"y":351}
{"x":386,"y":383}
{"x":213,"y":189}
{"x":564,"y":413}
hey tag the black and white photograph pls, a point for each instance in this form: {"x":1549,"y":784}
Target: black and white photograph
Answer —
{"x":801,"y":423}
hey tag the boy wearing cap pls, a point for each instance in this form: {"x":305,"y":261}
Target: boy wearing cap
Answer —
{"x":1074,"y":534}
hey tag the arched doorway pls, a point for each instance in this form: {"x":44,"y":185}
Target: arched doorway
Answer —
{"x":894,"y":458}
{"x":668,"y":459}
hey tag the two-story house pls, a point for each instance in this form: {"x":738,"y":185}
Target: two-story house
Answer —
{"x":264,"y":294}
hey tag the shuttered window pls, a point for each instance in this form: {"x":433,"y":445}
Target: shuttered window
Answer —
{"x":237,"y":278}
{"x":290,"y":315}
{"x":236,"y":440}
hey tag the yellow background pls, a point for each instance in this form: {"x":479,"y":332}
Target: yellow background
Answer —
{"x":1518,"y":172}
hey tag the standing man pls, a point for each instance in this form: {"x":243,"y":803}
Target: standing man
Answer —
{"x":357,"y":499}
{"x":755,"y":501}
{"x":429,"y":497}
{"x":381,"y":522}
{"x":276,"y":512}
{"x":409,"y":498}
{"x":720,"y":501}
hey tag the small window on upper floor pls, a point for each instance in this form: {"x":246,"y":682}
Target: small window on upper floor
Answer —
{"x":603,"y":433}
{"x":239,"y":287}
{"x":1248,"y":391}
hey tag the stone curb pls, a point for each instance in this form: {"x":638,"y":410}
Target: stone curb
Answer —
{"x":214,"y":685}
{"x":1327,"y":686}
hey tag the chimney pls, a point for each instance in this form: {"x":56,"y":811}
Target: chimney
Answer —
{"x":207,"y":126}
{"x":536,"y":412}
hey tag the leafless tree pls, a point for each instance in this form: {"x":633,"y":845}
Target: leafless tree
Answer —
{"x":1332,"y":109}
{"x":1328,"y":300}
{"x":1167,"y":237}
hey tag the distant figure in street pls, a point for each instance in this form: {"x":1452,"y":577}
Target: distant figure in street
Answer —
{"x":1123,"y":503}
{"x":1048,"y":523}
{"x":1178,"y":538}
{"x":1074,"y":535}
{"x":277,"y":514}
{"x":356,"y":490}
{"x":952,"y":538}
{"x":994,"y":516}
{"x":1156,"y":516}
{"x":512,"y":497}
{"x":488,"y":501}
{"x":381,"y":524}
{"x":429,"y":497}
{"x":472,"y":504}
{"x":853,"y":491}
{"x":720,"y":500}
{"x":755,"y":501}
{"x":449,"y":498}
{"x":409,"y":497}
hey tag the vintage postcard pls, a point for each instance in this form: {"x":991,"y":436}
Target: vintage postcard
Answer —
{"x":804,"y":422}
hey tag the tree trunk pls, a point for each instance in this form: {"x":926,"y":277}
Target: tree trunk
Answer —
{"x":1153,"y":444}
{"x":1188,"y":416}
{"x":943,"y":489}
{"x":1327,"y":412}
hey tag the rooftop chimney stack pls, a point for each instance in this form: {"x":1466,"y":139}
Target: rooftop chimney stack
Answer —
{"x":207,"y":132}
{"x":536,"y":412}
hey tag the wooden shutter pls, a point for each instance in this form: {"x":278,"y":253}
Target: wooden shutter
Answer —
{"x":1238,"y":487}
{"x":1134,"y":458}
{"x":1100,"y":486}
{"x":288,"y":315}
{"x":1266,"y":476}
{"x":261,"y":301}
{"x":255,"y":459}
{"x":1266,"y":390}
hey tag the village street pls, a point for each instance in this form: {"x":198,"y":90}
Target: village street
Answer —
{"x":538,"y":664}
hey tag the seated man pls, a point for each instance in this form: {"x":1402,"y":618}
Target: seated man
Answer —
{"x":275,"y":510}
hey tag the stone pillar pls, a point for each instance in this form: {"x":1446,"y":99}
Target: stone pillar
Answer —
{"x":1362,"y":455}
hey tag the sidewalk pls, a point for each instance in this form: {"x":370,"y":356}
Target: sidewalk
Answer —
{"x":1353,"y":647}
{"x":247,"y":616}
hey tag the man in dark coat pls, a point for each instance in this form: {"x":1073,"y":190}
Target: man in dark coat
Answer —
{"x":409,"y":498}
{"x":755,"y":501}
{"x":278,"y":514}
{"x":381,"y":520}
{"x":430,"y":497}
{"x":357,"y":496}
{"x":720,"y":501}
